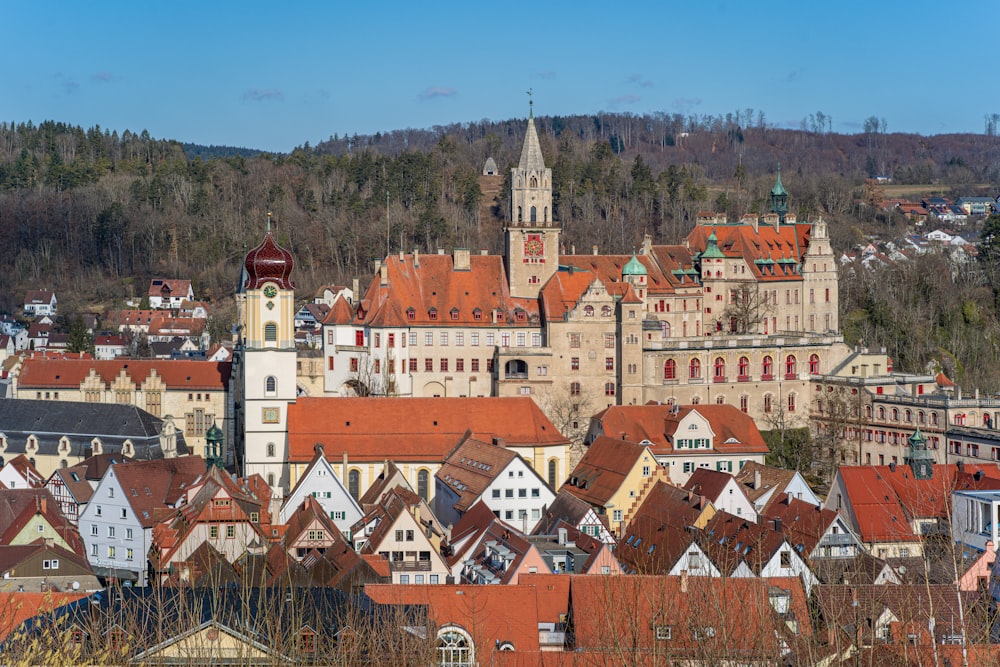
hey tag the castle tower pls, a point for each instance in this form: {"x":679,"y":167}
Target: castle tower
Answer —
{"x":532,"y":236}
{"x":266,"y":360}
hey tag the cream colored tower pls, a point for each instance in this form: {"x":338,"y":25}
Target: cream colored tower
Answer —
{"x":267,"y":371}
{"x":532,"y":236}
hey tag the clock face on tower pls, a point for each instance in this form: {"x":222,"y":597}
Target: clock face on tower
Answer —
{"x":533,"y":246}
{"x":270,"y":291}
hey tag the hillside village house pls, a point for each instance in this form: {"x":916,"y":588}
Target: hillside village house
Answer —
{"x":167,"y":293}
{"x":38,"y":303}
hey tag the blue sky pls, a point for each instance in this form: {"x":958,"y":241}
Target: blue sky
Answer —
{"x":274,"y":75}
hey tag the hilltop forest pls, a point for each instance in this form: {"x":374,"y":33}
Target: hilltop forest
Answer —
{"x":94,"y":214}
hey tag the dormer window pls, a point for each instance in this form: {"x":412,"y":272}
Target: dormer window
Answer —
{"x":520,"y":316}
{"x":411,"y":313}
{"x":432,"y":313}
{"x":454,"y":313}
{"x":499,"y":316}
{"x":477,"y":314}
{"x":361,"y":313}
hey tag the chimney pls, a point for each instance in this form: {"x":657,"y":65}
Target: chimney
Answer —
{"x":461,"y":260}
{"x":562,"y":536}
{"x":647,"y":244}
{"x":484,"y":252}
{"x":318,"y":448}
{"x":356,"y":288}
{"x":572,"y":249}
{"x":383,"y":275}
{"x":45,"y":505}
{"x":499,"y":442}
{"x":756,"y":479}
{"x":777,"y":524}
{"x":684,"y":581}
{"x":343,"y":472}
{"x":400,"y":254}
{"x":440,"y":251}
{"x":416,"y":258}
{"x":593,"y":249}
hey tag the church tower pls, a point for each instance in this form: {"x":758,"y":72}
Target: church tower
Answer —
{"x":532,"y":236}
{"x":265,"y":360}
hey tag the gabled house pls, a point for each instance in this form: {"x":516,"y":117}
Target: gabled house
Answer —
{"x":110,"y":346}
{"x":117,"y":523}
{"x":685,"y":437}
{"x":43,"y":566}
{"x":168,"y":293}
{"x":20,"y":473}
{"x":816,"y":532}
{"x":402,"y":529}
{"x":476,"y":471}
{"x":739,"y":548}
{"x":568,"y":510}
{"x":390,"y":477}
{"x":612,"y":477}
{"x":320,"y":482}
{"x":762,"y":483}
{"x":40,"y":302}
{"x":28,"y":515}
{"x":723,"y":491}
{"x":231,"y":515}
{"x":73,"y":487}
{"x":310,"y":529}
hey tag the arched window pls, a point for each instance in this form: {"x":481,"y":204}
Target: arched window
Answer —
{"x":744,"y":403}
{"x":744,"y":368}
{"x":720,"y":369}
{"x":694,"y":370}
{"x":534,"y":214}
{"x":454,"y":648}
{"x":605,"y":311}
{"x":790,"y":366}
{"x":814,"y":364}
{"x":895,"y":414}
{"x":574,"y":388}
{"x":921,"y":417}
{"x":270,"y":450}
{"x":545,"y":214}
{"x":767,"y":368}
{"x":533,"y":182}
{"x":516,"y":368}
{"x":609,"y":388}
{"x":553,"y":473}
{"x":270,"y":479}
{"x":270,"y":332}
{"x":354,"y":484}
{"x":881,"y":414}
{"x":791,"y":402}
{"x":767,"y":403}
{"x":520,"y":214}
{"x":670,"y":370}
{"x":934,"y":419}
{"x":422,"y":480}
{"x":270,"y":385}
{"x":695,"y":400}
{"x":665,"y":329}
{"x":868,"y":412}
{"x":588,"y":311}
{"x":720,"y":399}
{"x":907,"y":416}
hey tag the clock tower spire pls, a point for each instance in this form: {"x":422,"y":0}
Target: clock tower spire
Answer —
{"x":532,"y":236}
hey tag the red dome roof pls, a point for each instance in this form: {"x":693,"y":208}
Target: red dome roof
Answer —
{"x":268,"y":262}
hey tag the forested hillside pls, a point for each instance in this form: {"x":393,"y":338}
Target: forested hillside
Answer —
{"x":94,"y":214}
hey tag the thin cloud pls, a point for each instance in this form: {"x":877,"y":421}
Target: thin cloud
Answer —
{"x":685,"y":104}
{"x":68,"y":85}
{"x":437,"y":91}
{"x":623,"y":100}
{"x":791,"y":77}
{"x":548,"y":74}
{"x":638,"y":80}
{"x":103,"y":76}
{"x":263,"y":95}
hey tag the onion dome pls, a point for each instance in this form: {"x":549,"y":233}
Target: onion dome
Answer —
{"x":268,"y":262}
{"x":712,"y":250}
{"x":634,"y":268}
{"x":214,"y":434}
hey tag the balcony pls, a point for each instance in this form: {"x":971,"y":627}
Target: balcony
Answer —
{"x":742,"y":378}
{"x":718,"y":379}
{"x":410,"y":565}
{"x":767,"y":377}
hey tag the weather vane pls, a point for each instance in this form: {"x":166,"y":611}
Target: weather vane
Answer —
{"x":531,"y":102}
{"x":269,"y":221}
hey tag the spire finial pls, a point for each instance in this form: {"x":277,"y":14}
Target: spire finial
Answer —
{"x":531,"y":103}
{"x":268,"y":222}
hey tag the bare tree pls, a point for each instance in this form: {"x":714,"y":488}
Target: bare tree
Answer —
{"x":748,"y":307}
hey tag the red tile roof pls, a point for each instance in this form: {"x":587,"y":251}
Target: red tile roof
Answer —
{"x":177,"y":375}
{"x":603,"y":469}
{"x":801,"y":522}
{"x":735,"y":432}
{"x":153,"y":488}
{"x":786,"y":242}
{"x":431,"y":283}
{"x":410,"y":429}
{"x":709,"y":483}
{"x":471,"y":467}
{"x":174,"y":288}
{"x":16,"y":608}
{"x":608,"y":269}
